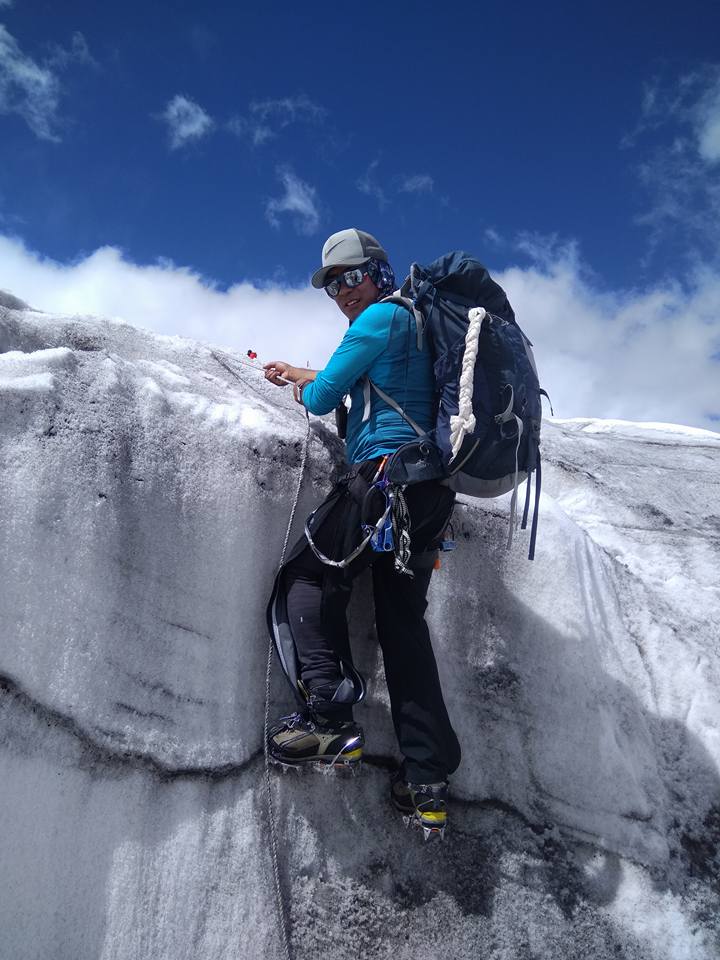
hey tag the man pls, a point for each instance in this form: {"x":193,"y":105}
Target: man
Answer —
{"x":313,"y":588}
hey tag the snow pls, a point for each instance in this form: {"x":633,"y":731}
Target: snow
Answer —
{"x":146,"y":494}
{"x":636,"y":428}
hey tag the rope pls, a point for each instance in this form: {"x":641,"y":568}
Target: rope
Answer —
{"x":246,"y":363}
{"x":279,"y":903}
{"x":282,"y":916}
{"x":464,"y":422}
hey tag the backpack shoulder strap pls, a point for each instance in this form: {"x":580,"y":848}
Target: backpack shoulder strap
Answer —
{"x":368,"y":385}
{"x":402,"y":301}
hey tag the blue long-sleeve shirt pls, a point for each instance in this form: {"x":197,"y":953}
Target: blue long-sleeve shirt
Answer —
{"x":379,"y":344}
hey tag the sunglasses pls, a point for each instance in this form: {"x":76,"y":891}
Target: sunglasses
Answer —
{"x":351,"y":278}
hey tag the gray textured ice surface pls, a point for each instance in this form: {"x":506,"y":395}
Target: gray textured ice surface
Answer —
{"x":145,"y":496}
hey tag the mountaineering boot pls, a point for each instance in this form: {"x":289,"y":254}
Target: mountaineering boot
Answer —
{"x":421,"y":804}
{"x":300,"y":740}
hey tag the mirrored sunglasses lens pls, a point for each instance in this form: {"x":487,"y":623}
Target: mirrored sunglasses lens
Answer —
{"x":352,"y":278}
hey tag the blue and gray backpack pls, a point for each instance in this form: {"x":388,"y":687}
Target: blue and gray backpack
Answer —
{"x":486,"y":438}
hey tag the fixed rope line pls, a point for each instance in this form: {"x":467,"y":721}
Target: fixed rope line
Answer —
{"x":282,"y":915}
{"x":279,"y":903}
{"x":244,"y":363}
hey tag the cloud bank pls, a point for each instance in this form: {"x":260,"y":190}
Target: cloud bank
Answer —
{"x":647,"y":354}
{"x":638,"y":355}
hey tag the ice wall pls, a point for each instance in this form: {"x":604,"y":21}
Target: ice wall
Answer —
{"x":146,"y":491}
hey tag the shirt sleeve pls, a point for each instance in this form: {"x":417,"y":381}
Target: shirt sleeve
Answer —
{"x":363,"y":343}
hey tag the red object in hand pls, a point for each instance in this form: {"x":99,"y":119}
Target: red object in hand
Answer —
{"x":252,"y":354}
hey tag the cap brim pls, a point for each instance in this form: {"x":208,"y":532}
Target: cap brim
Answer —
{"x":320,"y":276}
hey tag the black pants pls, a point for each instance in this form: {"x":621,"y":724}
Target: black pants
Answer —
{"x":317,"y":597}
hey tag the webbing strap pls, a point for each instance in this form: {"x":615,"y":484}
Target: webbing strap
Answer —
{"x":533,"y":529}
{"x":544,"y":393}
{"x":366,"y":400}
{"x":471,"y":451}
{"x":532,"y":454}
{"x":409,"y":304}
{"x":391,"y":403}
{"x":507,"y":413}
{"x":526,"y":508}
{"x":513,"y":501}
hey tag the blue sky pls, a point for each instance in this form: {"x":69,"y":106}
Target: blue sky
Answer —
{"x":228,"y":142}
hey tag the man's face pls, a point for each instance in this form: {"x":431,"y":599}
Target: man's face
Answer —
{"x":353,"y":300}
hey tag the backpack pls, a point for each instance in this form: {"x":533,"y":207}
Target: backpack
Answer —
{"x":487,"y":428}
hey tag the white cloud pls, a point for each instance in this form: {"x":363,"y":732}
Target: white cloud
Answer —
{"x":28,"y":89}
{"x":78,"y":52}
{"x":288,"y":110}
{"x":419,"y":183}
{"x":692,"y":106}
{"x":268,"y":117}
{"x":6,"y":3}
{"x":709,"y":127}
{"x":261,"y":134}
{"x":299,"y":200}
{"x":681,"y":123}
{"x":297,"y":325}
{"x":186,"y":121}
{"x":635,"y":355}
{"x":32,"y":90}
{"x":368,"y":185}
{"x":243,"y":128}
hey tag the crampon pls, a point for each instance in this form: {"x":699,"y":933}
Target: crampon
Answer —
{"x":422,"y":805}
{"x":297,"y":742}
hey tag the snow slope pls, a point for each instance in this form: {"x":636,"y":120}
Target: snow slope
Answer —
{"x":146,"y":492}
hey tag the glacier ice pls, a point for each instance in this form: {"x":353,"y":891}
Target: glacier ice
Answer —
{"x":146,"y":492}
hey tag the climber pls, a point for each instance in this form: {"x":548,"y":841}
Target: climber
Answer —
{"x":311,"y":594}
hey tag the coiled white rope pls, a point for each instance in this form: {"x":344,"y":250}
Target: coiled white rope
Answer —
{"x":464,"y":422}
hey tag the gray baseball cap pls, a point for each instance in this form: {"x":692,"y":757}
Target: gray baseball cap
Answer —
{"x":347,"y":248}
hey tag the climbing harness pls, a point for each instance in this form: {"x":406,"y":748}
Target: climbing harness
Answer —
{"x":372,"y":532}
{"x":390,"y":532}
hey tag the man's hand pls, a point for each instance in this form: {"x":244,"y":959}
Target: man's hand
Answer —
{"x":281,"y":373}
